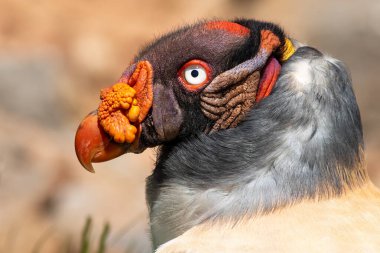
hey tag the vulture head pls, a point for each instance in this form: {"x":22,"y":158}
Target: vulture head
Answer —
{"x":203,"y":78}
{"x":248,"y":120}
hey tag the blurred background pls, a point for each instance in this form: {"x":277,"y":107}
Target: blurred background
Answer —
{"x":54,"y":58}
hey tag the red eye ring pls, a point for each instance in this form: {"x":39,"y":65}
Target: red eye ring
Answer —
{"x":203,"y":76}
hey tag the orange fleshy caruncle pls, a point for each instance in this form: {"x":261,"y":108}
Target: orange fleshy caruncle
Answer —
{"x":124,"y":106}
{"x":142,"y":81}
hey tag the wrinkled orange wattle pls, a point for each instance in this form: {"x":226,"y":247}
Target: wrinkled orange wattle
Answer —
{"x":118,"y":111}
{"x":124,"y":106}
{"x":115,"y":128}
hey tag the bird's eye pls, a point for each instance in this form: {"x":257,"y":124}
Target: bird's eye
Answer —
{"x":194,"y":74}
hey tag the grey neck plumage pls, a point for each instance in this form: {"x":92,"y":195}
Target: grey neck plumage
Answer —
{"x":303,"y":141}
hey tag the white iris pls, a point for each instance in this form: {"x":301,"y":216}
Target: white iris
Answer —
{"x":195,"y":74}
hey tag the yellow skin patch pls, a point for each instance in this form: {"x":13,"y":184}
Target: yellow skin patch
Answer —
{"x":288,"y":50}
{"x":118,"y":111}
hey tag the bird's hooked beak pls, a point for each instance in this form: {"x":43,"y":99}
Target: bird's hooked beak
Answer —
{"x":115,"y":127}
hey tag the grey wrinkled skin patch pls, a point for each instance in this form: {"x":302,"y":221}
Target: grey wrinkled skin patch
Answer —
{"x":167,"y":115}
{"x":303,"y":141}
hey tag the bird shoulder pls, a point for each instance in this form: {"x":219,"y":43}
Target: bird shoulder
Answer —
{"x":349,"y":223}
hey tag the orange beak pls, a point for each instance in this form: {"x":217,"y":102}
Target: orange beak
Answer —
{"x":93,"y":144}
{"x":115,"y":127}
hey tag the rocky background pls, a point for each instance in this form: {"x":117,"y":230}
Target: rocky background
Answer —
{"x":54,"y":58}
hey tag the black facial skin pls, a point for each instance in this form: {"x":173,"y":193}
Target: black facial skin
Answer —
{"x":220,"y":49}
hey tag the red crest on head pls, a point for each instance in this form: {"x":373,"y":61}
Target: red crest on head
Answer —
{"x":229,"y":27}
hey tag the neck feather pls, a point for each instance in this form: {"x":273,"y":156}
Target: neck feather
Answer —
{"x":302,"y":142}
